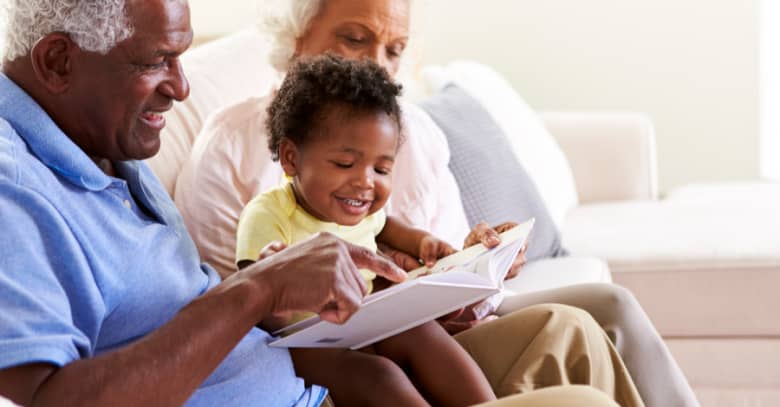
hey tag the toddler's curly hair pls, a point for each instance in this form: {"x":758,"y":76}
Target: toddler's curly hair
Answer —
{"x":314,"y":85}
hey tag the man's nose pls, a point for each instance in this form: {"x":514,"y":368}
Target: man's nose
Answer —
{"x":176,"y":86}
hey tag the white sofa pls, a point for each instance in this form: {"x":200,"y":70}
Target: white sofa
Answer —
{"x":703,"y":261}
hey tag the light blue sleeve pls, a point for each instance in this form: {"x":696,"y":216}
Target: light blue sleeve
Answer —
{"x":51,"y":306}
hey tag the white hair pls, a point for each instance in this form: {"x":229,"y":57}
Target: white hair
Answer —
{"x":285,"y":21}
{"x":94,"y":25}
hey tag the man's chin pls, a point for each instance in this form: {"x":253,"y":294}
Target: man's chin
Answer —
{"x":147,"y":147}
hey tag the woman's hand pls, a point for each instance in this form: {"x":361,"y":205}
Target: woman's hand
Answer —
{"x":518,"y":264}
{"x":468,"y":317}
{"x":483,"y":233}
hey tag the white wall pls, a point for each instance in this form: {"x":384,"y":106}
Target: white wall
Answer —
{"x":770,"y":89}
{"x":691,"y":64}
{"x":212,"y":18}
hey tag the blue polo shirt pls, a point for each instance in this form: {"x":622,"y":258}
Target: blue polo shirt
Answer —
{"x":90,"y":263}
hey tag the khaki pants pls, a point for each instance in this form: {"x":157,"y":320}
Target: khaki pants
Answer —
{"x":558,"y":396}
{"x":656,"y":375}
{"x":549,"y":345}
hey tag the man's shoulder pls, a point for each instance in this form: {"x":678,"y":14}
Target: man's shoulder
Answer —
{"x":9,"y":149}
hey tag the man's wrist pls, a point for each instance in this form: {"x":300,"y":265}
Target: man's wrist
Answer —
{"x":251,"y":292}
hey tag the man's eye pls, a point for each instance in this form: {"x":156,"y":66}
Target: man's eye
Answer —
{"x":154,"y":65}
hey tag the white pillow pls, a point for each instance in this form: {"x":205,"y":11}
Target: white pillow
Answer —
{"x":532,"y":144}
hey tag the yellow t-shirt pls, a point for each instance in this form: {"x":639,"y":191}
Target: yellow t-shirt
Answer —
{"x":274,"y":215}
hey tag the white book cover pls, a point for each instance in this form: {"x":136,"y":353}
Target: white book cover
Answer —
{"x":455,"y":281}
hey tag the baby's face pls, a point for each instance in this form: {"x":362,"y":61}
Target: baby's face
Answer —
{"x":344,"y":172}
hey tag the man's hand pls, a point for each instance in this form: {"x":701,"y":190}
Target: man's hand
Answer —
{"x":432,"y":249}
{"x":320,"y":275}
{"x":483,"y":233}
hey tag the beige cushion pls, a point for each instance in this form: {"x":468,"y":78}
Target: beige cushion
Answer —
{"x":530,"y":141}
{"x":739,"y":193}
{"x":242,"y":55}
{"x":677,"y":235}
{"x":558,"y":272}
{"x":691,"y":260}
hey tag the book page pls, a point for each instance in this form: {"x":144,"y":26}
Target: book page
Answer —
{"x":407,"y":308}
{"x":456,"y":281}
{"x":469,"y":258}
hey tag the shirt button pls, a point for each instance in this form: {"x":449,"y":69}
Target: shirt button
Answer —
{"x":127,"y":204}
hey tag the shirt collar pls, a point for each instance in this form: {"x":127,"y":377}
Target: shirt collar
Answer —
{"x":56,"y":150}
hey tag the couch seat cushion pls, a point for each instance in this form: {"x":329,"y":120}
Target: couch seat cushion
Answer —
{"x":677,"y":235}
{"x":690,"y":262}
{"x":558,"y":272}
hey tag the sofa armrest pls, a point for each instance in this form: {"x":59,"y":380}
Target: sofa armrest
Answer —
{"x":612,"y":155}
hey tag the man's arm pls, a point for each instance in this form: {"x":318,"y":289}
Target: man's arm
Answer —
{"x":168,"y":365}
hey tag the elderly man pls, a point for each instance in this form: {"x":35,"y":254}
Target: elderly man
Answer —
{"x":102,"y":297}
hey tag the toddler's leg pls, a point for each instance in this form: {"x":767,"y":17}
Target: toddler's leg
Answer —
{"x":440,"y":367}
{"x":356,"y":378}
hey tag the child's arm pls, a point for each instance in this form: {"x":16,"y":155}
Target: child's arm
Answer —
{"x":416,"y":242}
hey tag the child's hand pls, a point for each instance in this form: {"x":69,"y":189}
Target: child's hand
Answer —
{"x":488,"y":236}
{"x":432,"y":249}
{"x":401,"y":259}
{"x":270,"y":249}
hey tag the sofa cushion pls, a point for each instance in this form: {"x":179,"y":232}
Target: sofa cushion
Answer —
{"x":494,"y":186}
{"x":673,"y":235}
{"x":690,"y":262}
{"x":531,"y":142}
{"x":547,"y":274}
{"x":740,"y":193}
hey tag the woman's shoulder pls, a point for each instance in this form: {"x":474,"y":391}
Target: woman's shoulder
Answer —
{"x":420,"y":130}
{"x":231,"y":151}
{"x":239,"y":121}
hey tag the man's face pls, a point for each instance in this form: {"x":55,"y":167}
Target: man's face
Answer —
{"x":118,"y":99}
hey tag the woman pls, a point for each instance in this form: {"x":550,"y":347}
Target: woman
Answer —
{"x":231,"y":165}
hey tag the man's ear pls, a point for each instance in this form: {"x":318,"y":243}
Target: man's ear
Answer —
{"x":52,"y":61}
{"x":288,"y":157}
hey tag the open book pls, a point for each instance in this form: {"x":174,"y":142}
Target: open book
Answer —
{"x":455,"y":281}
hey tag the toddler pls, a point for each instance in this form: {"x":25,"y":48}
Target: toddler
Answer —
{"x":335,"y":127}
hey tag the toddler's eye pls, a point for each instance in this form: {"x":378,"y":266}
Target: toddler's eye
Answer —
{"x":342,"y":164}
{"x":382,"y":171}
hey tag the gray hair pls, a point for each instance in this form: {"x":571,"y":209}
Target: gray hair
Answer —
{"x":94,"y":25}
{"x":285,"y":21}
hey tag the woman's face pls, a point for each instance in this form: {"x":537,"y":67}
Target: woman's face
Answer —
{"x":374,"y":29}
